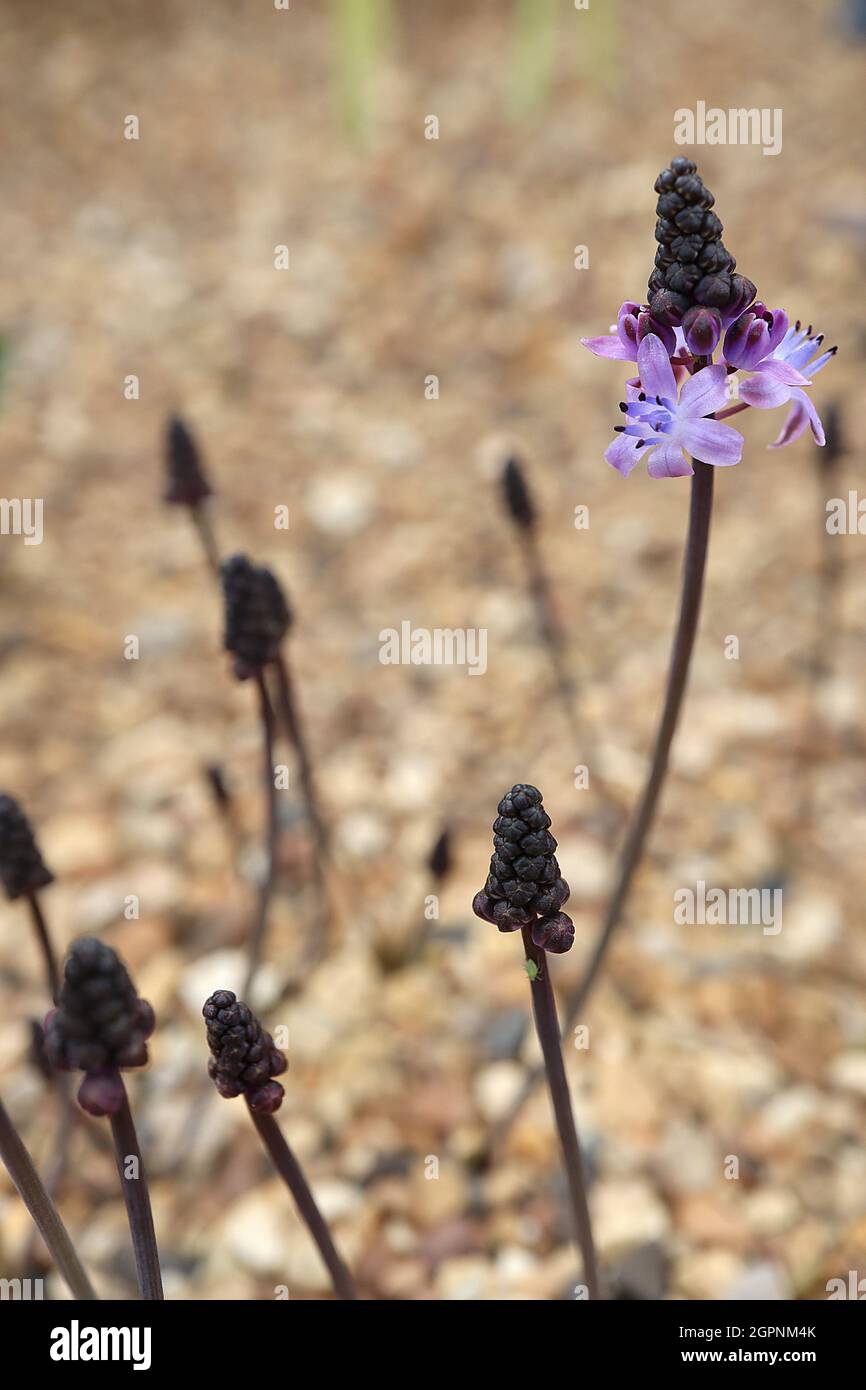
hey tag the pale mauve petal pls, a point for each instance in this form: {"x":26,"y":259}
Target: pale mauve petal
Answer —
{"x":704,"y":392}
{"x":783,"y":372}
{"x":654,"y":368}
{"x":712,"y":441}
{"x":610,"y":345}
{"x":668,"y":461}
{"x":801,"y":414}
{"x":622,"y":454}
{"x":760,"y":390}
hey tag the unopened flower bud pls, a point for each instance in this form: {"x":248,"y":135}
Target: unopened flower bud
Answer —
{"x":703,"y":329}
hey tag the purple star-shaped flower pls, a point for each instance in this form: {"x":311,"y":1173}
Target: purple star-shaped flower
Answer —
{"x":762,"y":343}
{"x":665,"y":422}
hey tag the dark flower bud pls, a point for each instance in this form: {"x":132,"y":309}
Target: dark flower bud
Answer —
{"x":517,"y":497}
{"x":100,"y":1026}
{"x":524,"y":880}
{"x":21,"y":867}
{"x":243,"y":1058}
{"x":554,"y":934}
{"x":703,"y":329}
{"x":647,"y":324}
{"x":257,"y":616}
{"x":440,"y":856}
{"x":186,"y":483}
{"x":713,"y":290}
{"x":682,"y":279}
{"x":742,"y":294}
{"x":668,"y":308}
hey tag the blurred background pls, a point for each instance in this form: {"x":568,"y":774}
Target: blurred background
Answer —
{"x":413,"y":258}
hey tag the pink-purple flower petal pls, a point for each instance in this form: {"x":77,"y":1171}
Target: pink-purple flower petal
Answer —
{"x":668,"y":461}
{"x":763,"y":392}
{"x":704,"y":392}
{"x":801,"y":414}
{"x":622,"y":454}
{"x":610,"y":345}
{"x":712,"y":441}
{"x":654,"y":368}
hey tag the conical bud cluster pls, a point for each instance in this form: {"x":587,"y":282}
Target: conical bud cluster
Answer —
{"x":693,"y":267}
{"x":244,"y":1059}
{"x":524,"y":887}
{"x":21,"y":867}
{"x":186,"y":484}
{"x":99,"y":1026}
{"x":257,"y":616}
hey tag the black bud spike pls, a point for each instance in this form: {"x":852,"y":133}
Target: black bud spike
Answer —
{"x":243,"y":1059}
{"x":186,"y":483}
{"x":516,"y":494}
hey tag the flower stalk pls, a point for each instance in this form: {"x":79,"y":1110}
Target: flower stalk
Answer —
{"x":244,"y":1062}
{"x":133,"y":1183}
{"x":292,"y":1175}
{"x":547,"y":1028}
{"x":20,"y":1167}
{"x":99,"y":1027}
{"x":266,"y":889}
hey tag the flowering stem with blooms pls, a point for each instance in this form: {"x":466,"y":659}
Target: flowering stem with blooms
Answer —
{"x":676,"y":407}
{"x":292,"y":1175}
{"x":20,"y":1167}
{"x":133,"y":1183}
{"x":547,"y":1028}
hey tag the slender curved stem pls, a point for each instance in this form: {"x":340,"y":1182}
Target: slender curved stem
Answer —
{"x":137,"y":1199}
{"x":694,"y":564}
{"x":288,"y":709}
{"x":292,"y":1175}
{"x":202,"y":522}
{"x":547,"y":1027}
{"x":259,"y":932}
{"x":52,"y":972}
{"x":25,"y":1177}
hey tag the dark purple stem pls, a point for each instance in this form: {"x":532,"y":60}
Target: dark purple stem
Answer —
{"x":547,"y":1027}
{"x":292,"y":1175}
{"x":259,"y":932}
{"x":288,"y":709}
{"x":52,"y":972}
{"x":25,"y":1177}
{"x":137,"y":1199}
{"x":694,"y":564}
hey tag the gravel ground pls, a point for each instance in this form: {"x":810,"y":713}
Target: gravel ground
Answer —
{"x":309,"y":388}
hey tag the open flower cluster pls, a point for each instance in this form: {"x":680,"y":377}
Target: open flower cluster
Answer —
{"x":524,"y":887}
{"x":698,"y":305}
{"x":100,"y":1026}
